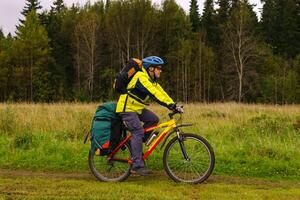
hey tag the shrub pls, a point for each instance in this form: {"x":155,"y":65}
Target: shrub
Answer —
{"x":7,"y":121}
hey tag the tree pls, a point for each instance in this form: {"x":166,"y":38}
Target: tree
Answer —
{"x":145,"y":23}
{"x":194,"y":15}
{"x":60,"y":44}
{"x":240,"y":48}
{"x":58,"y":6}
{"x":203,"y":70}
{"x":31,"y":5}
{"x":223,"y":11}
{"x":175,"y":28}
{"x":33,"y":50}
{"x":107,"y":4}
{"x":1,"y":33}
{"x":289,"y":32}
{"x":268,"y":21}
{"x":291,"y":87}
{"x":87,"y":58}
{"x":6,"y":68}
{"x":208,"y":22}
{"x":280,"y":26}
{"x":297,"y":69}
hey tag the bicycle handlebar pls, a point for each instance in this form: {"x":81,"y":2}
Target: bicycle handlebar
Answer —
{"x":177,"y":111}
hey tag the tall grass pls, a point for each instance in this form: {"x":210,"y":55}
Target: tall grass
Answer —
{"x":249,"y":140}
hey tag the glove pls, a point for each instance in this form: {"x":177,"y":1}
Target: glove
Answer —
{"x":172,"y":107}
{"x":175,"y":108}
{"x":179,"y":109}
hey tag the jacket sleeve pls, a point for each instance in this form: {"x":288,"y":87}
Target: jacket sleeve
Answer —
{"x":155,"y":91}
{"x":163,"y":92}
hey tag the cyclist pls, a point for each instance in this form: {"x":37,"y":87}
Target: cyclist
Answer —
{"x":131,"y":107}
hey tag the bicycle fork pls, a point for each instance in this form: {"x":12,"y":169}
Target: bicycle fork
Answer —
{"x":182,"y":147}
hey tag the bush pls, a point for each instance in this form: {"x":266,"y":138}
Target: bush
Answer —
{"x":7,"y":121}
{"x":23,"y":141}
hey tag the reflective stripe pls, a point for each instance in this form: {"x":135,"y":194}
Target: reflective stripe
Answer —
{"x":137,"y":99}
{"x":125,"y":103}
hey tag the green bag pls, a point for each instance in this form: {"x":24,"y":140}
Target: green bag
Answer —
{"x":103,"y":125}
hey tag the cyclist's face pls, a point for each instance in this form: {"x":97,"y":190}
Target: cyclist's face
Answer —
{"x":157,"y":71}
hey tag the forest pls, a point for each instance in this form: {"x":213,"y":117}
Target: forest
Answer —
{"x":224,"y":54}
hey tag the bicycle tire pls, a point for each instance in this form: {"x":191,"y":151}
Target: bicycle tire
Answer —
{"x":201,"y":147}
{"x":107,"y":171}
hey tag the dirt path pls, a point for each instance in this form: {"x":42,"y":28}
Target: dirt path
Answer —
{"x":20,"y":184}
{"x":157,"y":175}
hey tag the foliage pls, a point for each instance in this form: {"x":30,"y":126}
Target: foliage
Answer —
{"x":241,"y":49}
{"x":31,"y":5}
{"x":58,"y":56}
{"x":33,"y":50}
{"x":194,"y":15}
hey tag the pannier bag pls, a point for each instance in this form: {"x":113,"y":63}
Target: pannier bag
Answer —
{"x":106,"y":129}
{"x":125,"y":75}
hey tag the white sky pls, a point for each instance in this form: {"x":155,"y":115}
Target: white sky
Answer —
{"x":10,"y":10}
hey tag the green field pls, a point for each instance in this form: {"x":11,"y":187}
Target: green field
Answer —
{"x":250,"y":141}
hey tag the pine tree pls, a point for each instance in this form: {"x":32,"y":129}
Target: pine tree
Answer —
{"x":280,"y":26}
{"x":194,"y":15}
{"x":107,"y":4}
{"x":31,"y":5}
{"x":33,"y":50}
{"x":289,"y":32}
{"x":1,"y":33}
{"x":58,"y":6}
{"x":208,"y":13}
{"x":59,"y":45}
{"x":234,"y":3}
{"x":208,"y":22}
{"x":223,"y":11}
{"x":175,"y":28}
{"x":268,"y":21}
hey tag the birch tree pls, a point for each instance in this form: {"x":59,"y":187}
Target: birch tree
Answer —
{"x":240,"y":49}
{"x":87,"y":56}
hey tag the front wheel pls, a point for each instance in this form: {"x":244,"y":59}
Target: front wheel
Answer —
{"x":189,"y":159}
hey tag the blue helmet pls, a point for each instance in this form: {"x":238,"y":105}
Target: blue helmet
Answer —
{"x":152,"y":61}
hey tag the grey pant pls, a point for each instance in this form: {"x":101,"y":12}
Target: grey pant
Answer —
{"x":133,"y":122}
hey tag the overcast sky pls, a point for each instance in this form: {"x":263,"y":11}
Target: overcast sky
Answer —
{"x":10,"y":10}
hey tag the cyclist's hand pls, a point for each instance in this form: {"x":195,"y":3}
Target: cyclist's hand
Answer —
{"x":172,"y":107}
{"x":179,"y":109}
{"x":175,"y":108}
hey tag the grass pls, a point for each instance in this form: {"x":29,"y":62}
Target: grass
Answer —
{"x":32,"y":185}
{"x":249,"y":140}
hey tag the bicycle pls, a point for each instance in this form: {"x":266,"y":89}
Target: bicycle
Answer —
{"x":187,"y":157}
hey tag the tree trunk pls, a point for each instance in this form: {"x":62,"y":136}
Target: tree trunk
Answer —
{"x":200,"y":70}
{"x":31,"y":76}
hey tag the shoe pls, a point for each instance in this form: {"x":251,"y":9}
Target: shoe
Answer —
{"x":142,"y":171}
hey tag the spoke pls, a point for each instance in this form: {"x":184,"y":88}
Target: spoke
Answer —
{"x":196,"y":167}
{"x":195,"y":170}
{"x":111,"y":172}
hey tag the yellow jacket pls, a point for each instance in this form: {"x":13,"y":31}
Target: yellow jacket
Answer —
{"x":139,"y":89}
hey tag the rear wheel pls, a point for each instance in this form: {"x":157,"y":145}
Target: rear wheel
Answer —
{"x":189,"y":159}
{"x":111,"y":169}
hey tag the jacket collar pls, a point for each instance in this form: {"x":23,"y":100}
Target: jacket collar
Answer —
{"x":146,"y":72}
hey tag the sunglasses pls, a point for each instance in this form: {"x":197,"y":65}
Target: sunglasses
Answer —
{"x":159,"y":68}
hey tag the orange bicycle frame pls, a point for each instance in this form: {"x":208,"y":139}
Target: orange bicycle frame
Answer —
{"x":167,"y":125}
